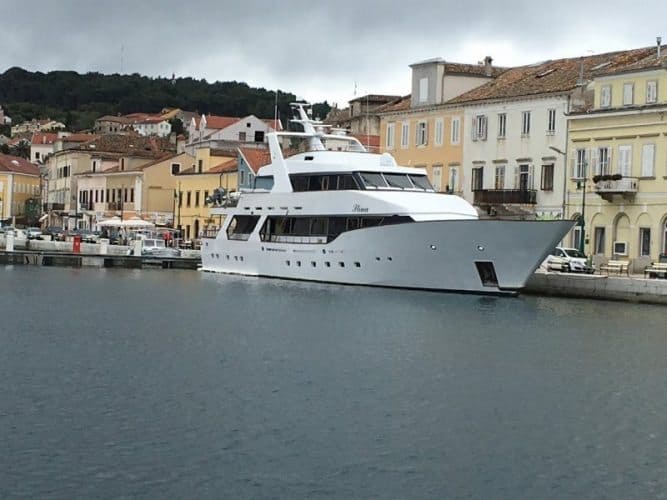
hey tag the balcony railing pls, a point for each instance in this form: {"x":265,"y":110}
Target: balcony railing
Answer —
{"x":114,"y":205}
{"x":53,"y":206}
{"x":506,"y":197}
{"x":626,"y":186}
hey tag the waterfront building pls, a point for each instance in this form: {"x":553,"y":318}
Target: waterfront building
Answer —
{"x":212,"y":169}
{"x":126,"y":189}
{"x":19,"y":186}
{"x":250,"y":160}
{"x":618,"y":156}
{"x":515,"y":136}
{"x":110,"y":153}
{"x":422,"y":129}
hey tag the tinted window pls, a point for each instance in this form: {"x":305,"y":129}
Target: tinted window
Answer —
{"x":421,"y":181}
{"x":398,"y":180}
{"x":373,"y":180}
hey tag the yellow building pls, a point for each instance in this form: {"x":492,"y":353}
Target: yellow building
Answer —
{"x":618,"y":153}
{"x":428,"y":138}
{"x":212,"y":169}
{"x":422,"y":130}
{"x":19,"y":182}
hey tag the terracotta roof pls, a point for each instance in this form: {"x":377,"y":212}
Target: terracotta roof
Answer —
{"x":548,"y":77}
{"x":115,"y":119}
{"x":226,"y":166}
{"x":79,"y":137}
{"x":255,"y":158}
{"x":43,"y":138}
{"x":136,"y":145}
{"x":217,"y":122}
{"x":15,"y":164}
{"x":401,"y":104}
{"x":465,"y":69}
{"x":639,"y":60}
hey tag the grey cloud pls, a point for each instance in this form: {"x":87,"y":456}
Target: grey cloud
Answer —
{"x":314,"y":49}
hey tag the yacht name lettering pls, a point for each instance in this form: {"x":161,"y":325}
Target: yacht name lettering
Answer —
{"x":358,"y":208}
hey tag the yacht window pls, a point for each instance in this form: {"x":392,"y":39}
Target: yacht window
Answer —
{"x":241,"y":226}
{"x":352,"y":223}
{"x":318,"y":226}
{"x":371,"y":221}
{"x":373,"y":180}
{"x":399,"y":181}
{"x":421,"y":182}
{"x":347,"y":181}
{"x":299,"y":182}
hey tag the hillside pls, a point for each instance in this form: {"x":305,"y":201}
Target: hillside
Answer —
{"x":78,"y":99}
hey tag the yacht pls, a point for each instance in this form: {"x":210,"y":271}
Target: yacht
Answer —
{"x":334,"y":212}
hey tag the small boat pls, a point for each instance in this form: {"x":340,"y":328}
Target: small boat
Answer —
{"x":333,"y":212}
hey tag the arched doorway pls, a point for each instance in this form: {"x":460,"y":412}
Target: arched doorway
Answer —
{"x":621,"y":243}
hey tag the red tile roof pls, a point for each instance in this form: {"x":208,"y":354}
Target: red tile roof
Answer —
{"x":372,"y":141}
{"x":548,"y":77}
{"x":43,"y":138}
{"x":226,"y":166}
{"x":15,"y":164}
{"x":402,"y":104}
{"x":217,"y":122}
{"x":256,"y":158}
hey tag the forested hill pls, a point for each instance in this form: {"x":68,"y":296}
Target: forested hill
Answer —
{"x":78,"y":99}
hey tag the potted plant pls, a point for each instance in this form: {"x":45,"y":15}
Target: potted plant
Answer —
{"x":616,"y":177}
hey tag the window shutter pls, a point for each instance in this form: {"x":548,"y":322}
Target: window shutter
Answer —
{"x":516,"y":177}
{"x":594,"y":167}
{"x":531,"y":176}
{"x":474,"y":128}
{"x":573,"y":163}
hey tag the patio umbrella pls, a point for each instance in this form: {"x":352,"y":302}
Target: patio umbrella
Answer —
{"x":136,"y":222}
{"x":113,"y":222}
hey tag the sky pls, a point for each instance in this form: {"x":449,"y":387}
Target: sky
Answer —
{"x":317,"y":50}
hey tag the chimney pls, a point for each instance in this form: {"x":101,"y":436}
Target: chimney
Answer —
{"x":658,"y":41}
{"x":488,"y":69}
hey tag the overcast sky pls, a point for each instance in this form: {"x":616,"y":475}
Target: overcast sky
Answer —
{"x":314,"y":49}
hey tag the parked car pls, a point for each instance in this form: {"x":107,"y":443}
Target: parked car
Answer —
{"x":56,"y":233}
{"x":568,"y":260}
{"x":34,"y":233}
{"x":90,"y":236}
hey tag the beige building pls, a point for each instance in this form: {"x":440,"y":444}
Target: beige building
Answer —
{"x":618,"y":157}
{"x":19,"y":182}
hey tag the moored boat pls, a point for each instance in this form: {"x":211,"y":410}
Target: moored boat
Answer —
{"x":334,"y":212}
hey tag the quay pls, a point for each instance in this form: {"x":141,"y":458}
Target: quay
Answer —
{"x":70,"y":259}
{"x":631,"y":288}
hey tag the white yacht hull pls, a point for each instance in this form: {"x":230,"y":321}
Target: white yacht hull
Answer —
{"x":433,"y":255}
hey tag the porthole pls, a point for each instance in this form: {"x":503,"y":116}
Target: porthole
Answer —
{"x":389,"y":259}
{"x":341,"y":264}
{"x":377,"y":258}
{"x":241,"y":258}
{"x":313,"y":263}
{"x":327,"y":264}
{"x":236,"y":257}
{"x":287,"y":262}
{"x":227,"y":257}
{"x":357,"y":264}
{"x":298,"y":263}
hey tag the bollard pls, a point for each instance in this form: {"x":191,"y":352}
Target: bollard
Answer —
{"x":9,"y":241}
{"x":76,"y":244}
{"x":104,"y":246}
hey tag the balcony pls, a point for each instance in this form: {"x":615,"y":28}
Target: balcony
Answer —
{"x":625,"y":187}
{"x":115,"y":205}
{"x":53,"y":206}
{"x":486,"y":197}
